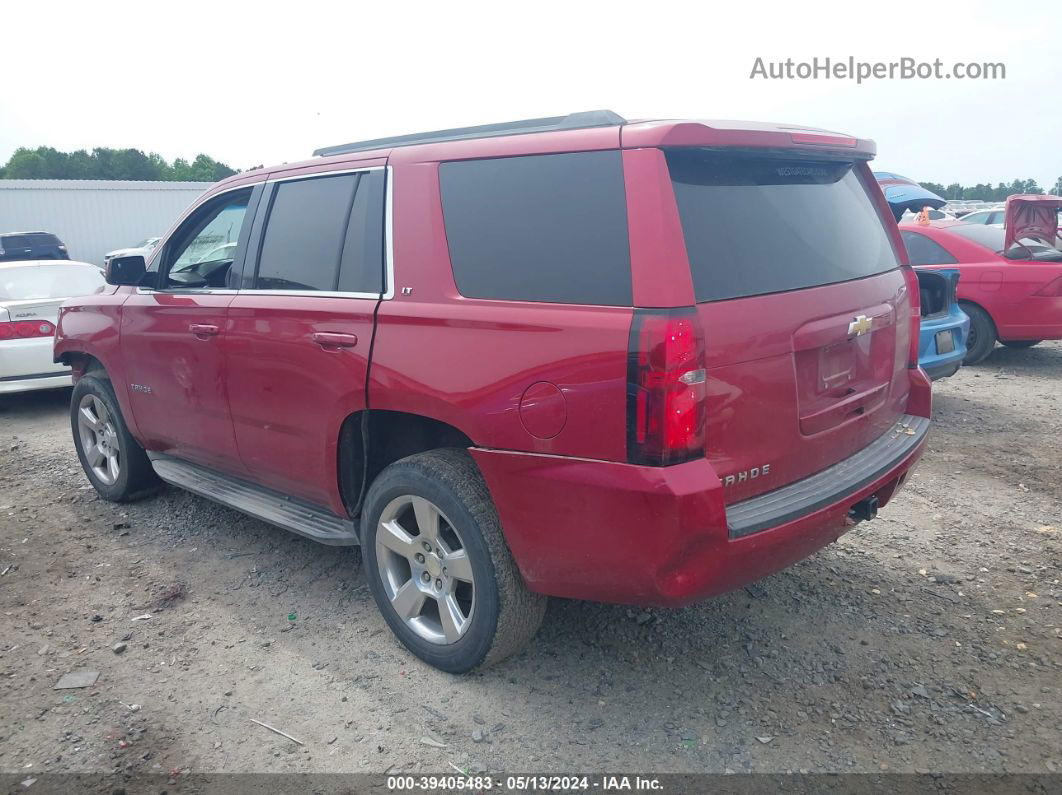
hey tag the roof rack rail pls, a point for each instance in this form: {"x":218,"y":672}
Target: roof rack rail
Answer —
{"x":573,"y":121}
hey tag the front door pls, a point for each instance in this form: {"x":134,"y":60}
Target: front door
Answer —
{"x":301,"y":328}
{"x":174,"y":335}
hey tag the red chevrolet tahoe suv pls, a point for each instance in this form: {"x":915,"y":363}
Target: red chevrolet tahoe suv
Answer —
{"x":637,"y":362}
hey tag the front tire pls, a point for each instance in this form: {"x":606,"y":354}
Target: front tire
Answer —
{"x":114,"y":462}
{"x":438,"y":565}
{"x":982,"y":337}
{"x":1020,"y":344}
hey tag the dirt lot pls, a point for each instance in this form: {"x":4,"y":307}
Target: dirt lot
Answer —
{"x":927,"y":640}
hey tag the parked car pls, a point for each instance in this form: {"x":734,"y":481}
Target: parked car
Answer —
{"x":945,"y":327}
{"x":522,"y":360}
{"x":143,"y":249}
{"x":1015,"y":298}
{"x":984,"y":217}
{"x":22,"y":246}
{"x":910,"y":216}
{"x":30,"y":294}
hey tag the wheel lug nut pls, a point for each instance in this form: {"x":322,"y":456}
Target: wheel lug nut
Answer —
{"x":438,"y":585}
{"x":427,"y":547}
{"x":426,"y":577}
{"x":420,"y":558}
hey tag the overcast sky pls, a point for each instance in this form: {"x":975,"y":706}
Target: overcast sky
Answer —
{"x":250,"y":84}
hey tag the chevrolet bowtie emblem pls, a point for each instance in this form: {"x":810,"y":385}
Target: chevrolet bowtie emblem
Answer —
{"x":859,"y":326}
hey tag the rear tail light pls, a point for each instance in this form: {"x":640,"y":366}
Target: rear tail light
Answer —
{"x":25,"y":329}
{"x":916,"y":314}
{"x":666,"y":387}
{"x":1053,"y":289}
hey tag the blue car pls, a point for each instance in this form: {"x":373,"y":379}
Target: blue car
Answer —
{"x":945,"y":327}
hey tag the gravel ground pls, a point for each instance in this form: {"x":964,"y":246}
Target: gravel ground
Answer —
{"x":927,"y":640}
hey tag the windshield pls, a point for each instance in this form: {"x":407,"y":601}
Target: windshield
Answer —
{"x":48,"y":281}
{"x":992,"y":237}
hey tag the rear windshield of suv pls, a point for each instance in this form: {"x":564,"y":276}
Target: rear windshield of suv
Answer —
{"x":758,"y":224}
{"x":547,"y":228}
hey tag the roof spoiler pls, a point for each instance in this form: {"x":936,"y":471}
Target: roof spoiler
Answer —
{"x":573,"y":121}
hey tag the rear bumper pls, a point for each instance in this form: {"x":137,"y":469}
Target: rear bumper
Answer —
{"x":941,"y":365}
{"x":616,"y":532}
{"x":26,"y":364}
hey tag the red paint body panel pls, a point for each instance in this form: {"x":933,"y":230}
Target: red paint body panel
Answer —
{"x":186,"y":413}
{"x":289,"y":394}
{"x":91,"y":324}
{"x":645,"y":535}
{"x":1005,"y":288}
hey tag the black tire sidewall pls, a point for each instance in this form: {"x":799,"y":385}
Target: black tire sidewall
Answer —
{"x":404,"y":478}
{"x":1020,"y":345}
{"x":986,"y":334}
{"x":121,"y":489}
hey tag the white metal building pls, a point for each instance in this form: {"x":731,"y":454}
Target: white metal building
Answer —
{"x":94,"y":216}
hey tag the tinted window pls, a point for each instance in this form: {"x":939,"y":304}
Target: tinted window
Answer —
{"x":541,"y":228}
{"x":43,"y":239}
{"x":756,"y":225}
{"x":15,"y":241}
{"x":201,"y":252}
{"x":923,"y":251}
{"x":362,"y":263}
{"x":304,"y":234}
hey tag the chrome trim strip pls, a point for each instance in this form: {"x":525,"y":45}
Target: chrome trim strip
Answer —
{"x":831,"y":485}
{"x":316,"y":174}
{"x":310,"y":293}
{"x":187,"y":291}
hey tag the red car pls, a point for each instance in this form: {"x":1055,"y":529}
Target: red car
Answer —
{"x":1014,"y":297}
{"x":631,"y":362}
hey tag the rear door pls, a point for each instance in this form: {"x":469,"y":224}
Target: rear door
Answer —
{"x":173,"y":334}
{"x":301,"y":329}
{"x":805,"y":312}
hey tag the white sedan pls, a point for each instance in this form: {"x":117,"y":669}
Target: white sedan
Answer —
{"x":30,"y":295}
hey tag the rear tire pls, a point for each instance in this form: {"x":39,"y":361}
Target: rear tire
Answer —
{"x":1020,"y":344}
{"x":982,"y":338}
{"x":438,"y":565}
{"x":114,"y":462}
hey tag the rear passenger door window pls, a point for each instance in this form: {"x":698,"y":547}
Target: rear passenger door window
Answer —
{"x":325,"y":234}
{"x":923,"y":251}
{"x":549,"y":228}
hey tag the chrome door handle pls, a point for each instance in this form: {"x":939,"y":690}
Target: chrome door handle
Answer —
{"x":327,"y":339}
{"x":203,"y":329}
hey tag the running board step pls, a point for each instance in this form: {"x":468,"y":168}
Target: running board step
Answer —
{"x":261,"y":503}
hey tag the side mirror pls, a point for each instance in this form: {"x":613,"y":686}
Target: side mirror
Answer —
{"x":127,"y":271}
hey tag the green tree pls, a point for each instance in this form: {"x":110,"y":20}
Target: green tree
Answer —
{"x":1057,"y":190}
{"x":44,"y":162}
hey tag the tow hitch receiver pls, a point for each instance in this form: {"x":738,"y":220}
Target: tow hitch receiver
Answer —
{"x":864,"y":510}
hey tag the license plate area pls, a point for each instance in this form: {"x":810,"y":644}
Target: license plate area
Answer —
{"x":945,"y":342}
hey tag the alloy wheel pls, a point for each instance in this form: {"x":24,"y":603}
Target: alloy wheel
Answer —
{"x":99,"y":439}
{"x":425,"y":569}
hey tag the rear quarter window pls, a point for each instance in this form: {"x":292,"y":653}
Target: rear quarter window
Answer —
{"x":923,"y":251}
{"x":755,"y":225}
{"x":549,"y":228}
